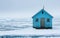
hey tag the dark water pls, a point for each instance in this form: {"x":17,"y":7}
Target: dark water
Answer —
{"x":58,"y":36}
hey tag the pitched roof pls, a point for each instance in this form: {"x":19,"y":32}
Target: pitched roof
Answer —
{"x":43,"y":11}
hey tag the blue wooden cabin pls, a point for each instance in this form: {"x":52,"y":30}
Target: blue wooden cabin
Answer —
{"x":42,"y":20}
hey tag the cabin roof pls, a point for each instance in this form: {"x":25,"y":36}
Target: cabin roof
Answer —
{"x":43,"y":11}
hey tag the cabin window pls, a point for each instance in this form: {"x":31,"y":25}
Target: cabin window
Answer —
{"x":42,"y":12}
{"x":48,"y":20}
{"x":37,"y":20}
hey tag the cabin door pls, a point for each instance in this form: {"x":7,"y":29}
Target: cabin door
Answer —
{"x":42,"y":22}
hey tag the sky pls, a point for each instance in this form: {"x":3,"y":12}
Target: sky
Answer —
{"x":28,"y":8}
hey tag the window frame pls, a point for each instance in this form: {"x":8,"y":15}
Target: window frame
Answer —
{"x":48,"y":20}
{"x":36,"y":20}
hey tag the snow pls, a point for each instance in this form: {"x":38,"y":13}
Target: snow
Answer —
{"x":31,"y":31}
{"x":25,"y":29}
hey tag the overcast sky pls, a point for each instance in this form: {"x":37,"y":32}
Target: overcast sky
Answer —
{"x":27,"y":8}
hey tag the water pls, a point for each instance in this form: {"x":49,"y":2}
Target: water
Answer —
{"x":24,"y":25}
